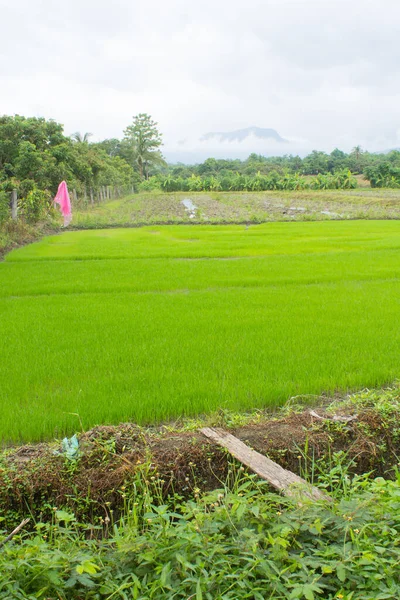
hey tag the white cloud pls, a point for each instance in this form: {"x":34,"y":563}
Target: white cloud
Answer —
{"x":322,"y":71}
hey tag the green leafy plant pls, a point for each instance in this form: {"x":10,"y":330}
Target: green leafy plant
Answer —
{"x":5,"y":211}
{"x":235,"y":542}
{"x":35,"y":205}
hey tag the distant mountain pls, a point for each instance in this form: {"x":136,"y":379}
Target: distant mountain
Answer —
{"x":241,"y":134}
{"x":387,"y":151}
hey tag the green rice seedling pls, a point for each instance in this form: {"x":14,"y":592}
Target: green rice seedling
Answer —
{"x":156,"y":323}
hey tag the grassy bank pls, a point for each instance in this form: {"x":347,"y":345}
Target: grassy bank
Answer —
{"x":92,"y":473}
{"x":162,"y":514}
{"x":14,"y":234}
{"x":155,"y":323}
{"x":242,"y":207}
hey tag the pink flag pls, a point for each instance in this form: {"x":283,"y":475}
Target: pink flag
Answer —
{"x":62,"y":198}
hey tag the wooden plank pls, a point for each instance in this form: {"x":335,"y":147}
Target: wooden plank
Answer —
{"x":283,"y":480}
{"x":16,"y":530}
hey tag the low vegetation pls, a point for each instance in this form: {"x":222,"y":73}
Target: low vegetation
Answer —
{"x":241,"y":207}
{"x":218,"y":532}
{"x":154,"y":323}
{"x":18,"y":233}
{"x":243,"y":543}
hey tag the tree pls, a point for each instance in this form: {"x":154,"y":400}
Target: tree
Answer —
{"x":81,"y":139}
{"x":315,"y":163}
{"x":357,"y":151}
{"x":36,"y":155}
{"x":338,"y":160}
{"x":142,"y":141}
{"x":111,"y":146}
{"x":356,"y":159}
{"x":43,"y":135}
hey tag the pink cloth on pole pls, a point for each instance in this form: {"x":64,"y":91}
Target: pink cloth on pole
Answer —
{"x":62,"y":198}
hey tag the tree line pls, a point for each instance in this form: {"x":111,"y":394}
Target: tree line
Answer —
{"x":36,"y":154}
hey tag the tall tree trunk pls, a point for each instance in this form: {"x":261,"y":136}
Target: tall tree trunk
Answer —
{"x":140,"y":164}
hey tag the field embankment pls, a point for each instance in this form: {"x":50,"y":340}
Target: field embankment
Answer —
{"x":14,"y":234}
{"x":357,"y":433}
{"x":241,"y":207}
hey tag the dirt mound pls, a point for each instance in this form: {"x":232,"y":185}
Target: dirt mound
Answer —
{"x":112,"y":459}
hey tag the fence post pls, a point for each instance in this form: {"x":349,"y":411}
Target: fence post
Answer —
{"x":14,"y":205}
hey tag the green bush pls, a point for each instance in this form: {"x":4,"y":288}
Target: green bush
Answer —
{"x":4,"y":206}
{"x":149,"y":185}
{"x":245,"y":543}
{"x":383,"y":175}
{"x":35,"y":205}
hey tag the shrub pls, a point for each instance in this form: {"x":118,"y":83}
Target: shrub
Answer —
{"x":4,"y":206}
{"x":245,"y":543}
{"x":149,"y":185}
{"x":35,"y":205}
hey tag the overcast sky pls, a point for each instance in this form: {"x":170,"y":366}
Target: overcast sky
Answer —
{"x":323,"y":73}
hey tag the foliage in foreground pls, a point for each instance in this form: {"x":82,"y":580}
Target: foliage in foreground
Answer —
{"x":245,"y":543}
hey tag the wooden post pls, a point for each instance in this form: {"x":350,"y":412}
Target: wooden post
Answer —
{"x":14,"y":205}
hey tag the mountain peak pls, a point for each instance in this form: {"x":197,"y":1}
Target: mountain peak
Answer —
{"x":239,"y":135}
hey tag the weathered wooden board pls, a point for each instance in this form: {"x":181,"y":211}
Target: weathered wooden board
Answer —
{"x":283,"y":480}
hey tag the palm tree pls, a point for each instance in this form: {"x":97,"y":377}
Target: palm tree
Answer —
{"x":81,"y":139}
{"x":357,"y":151}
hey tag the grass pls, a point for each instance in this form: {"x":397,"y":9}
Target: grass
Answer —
{"x":240,"y":207}
{"x":155,"y":323}
{"x":16,"y":233}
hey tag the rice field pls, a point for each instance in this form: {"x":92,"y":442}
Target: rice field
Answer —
{"x":161,"y":322}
